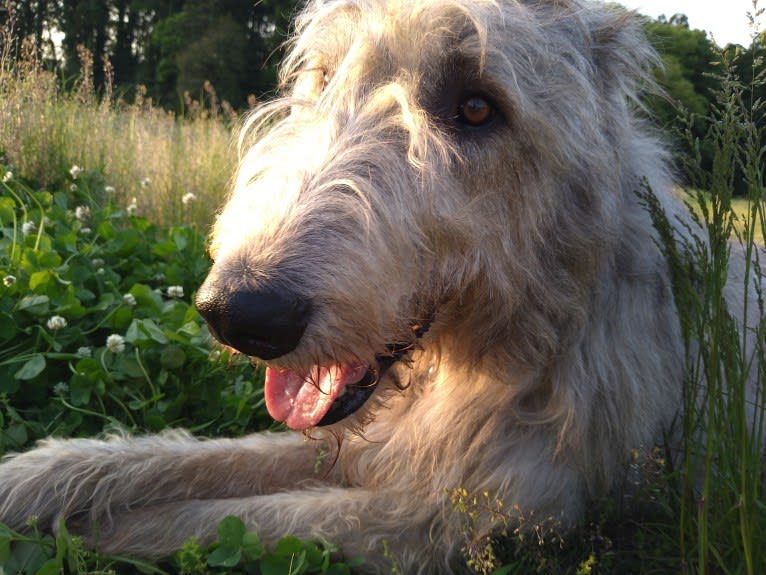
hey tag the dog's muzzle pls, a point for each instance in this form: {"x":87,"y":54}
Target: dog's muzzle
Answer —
{"x":267,"y":323}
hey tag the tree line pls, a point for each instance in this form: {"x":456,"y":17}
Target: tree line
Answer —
{"x":169,"y":46}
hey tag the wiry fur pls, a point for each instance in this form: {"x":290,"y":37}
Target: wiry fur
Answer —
{"x":554,"y":347}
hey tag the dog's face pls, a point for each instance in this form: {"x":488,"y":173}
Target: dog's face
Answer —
{"x":411,"y":144}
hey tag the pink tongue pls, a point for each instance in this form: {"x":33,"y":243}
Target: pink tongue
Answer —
{"x":301,"y":399}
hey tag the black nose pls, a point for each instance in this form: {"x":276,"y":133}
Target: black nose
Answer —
{"x":264,"y":322}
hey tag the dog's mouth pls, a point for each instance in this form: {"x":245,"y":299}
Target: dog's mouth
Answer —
{"x":323,"y":395}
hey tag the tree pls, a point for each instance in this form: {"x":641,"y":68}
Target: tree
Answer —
{"x":169,"y":45}
{"x":227,"y":42}
{"x":217,"y":56}
{"x":33,"y":20}
{"x":687,"y":77}
{"x":84,"y":23}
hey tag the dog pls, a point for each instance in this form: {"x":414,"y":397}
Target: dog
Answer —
{"x":434,"y":241}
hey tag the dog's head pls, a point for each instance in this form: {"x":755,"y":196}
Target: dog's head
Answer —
{"x":442,"y":163}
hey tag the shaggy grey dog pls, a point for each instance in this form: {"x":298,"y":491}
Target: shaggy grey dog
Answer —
{"x":435,"y":244}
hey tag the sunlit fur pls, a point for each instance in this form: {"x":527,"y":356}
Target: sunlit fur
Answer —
{"x":554,"y":347}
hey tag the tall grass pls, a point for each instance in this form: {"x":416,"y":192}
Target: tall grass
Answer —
{"x":719,"y":492}
{"x":143,"y":152}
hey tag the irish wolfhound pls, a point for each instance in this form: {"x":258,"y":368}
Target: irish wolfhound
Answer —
{"x":435,"y":243}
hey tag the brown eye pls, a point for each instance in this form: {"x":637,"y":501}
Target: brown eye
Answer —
{"x":475,"y":111}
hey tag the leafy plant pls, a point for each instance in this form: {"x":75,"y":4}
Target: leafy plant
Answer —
{"x":97,"y":328}
{"x":240,"y":551}
{"x":236,"y":552}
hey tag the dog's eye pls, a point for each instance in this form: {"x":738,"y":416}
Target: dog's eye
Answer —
{"x":475,"y":111}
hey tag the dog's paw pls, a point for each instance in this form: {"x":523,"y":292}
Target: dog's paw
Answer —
{"x":56,"y":480}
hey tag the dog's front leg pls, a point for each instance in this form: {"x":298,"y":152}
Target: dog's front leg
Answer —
{"x":91,"y":480}
{"x":359,"y":521}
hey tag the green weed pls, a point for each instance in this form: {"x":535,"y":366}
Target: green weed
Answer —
{"x":722,"y":511}
{"x":97,"y":327}
{"x":236,"y":552}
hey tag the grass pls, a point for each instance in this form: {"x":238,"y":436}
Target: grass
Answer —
{"x":141,"y":151}
{"x":722,"y":506}
{"x":80,"y":265}
{"x":741,"y":209}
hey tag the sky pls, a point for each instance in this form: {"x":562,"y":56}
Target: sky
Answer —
{"x":726,"y":19}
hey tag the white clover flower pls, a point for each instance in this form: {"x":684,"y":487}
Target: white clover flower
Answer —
{"x":9,"y":280}
{"x":115,"y":343}
{"x":146,"y":182}
{"x":129,"y":299}
{"x":56,"y":323}
{"x":28,"y":228}
{"x":8,"y":176}
{"x":132,"y":207}
{"x":100,"y":272}
{"x":82,"y":212}
{"x":61,"y":388}
{"x":85,"y":231}
{"x":73,"y":188}
{"x":109,"y":189}
{"x":175,"y":291}
{"x":75,"y":171}
{"x":84,"y":351}
{"x":188,"y":199}
{"x":97,"y":262}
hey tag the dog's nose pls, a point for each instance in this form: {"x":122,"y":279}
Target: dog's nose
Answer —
{"x":264,"y":322}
